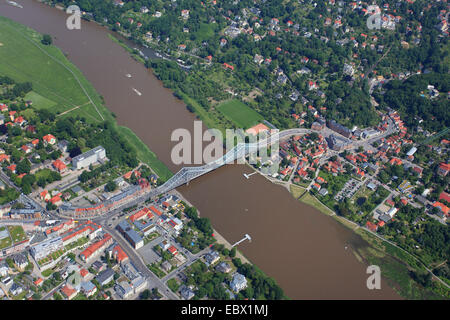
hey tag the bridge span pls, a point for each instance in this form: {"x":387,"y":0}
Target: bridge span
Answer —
{"x":187,"y":174}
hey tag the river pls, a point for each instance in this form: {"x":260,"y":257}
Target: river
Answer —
{"x":301,"y":248}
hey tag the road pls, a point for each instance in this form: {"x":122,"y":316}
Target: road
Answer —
{"x":140,"y":265}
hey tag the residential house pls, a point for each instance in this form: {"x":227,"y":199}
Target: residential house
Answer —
{"x":238,"y":283}
{"x":68,"y":291}
{"x":105,"y":277}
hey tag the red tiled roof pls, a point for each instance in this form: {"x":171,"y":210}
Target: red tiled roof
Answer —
{"x":371,"y":226}
{"x":119,"y":253}
{"x":139,"y":214}
{"x":444,"y":196}
{"x":89,"y":251}
{"x":84,"y":272}
{"x":59,"y":165}
{"x":68,"y":291}
{"x":441,"y":206}
{"x":155,"y":211}
{"x":48,"y":137}
{"x":173,"y":250}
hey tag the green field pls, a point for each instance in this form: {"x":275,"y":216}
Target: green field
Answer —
{"x":206,"y":31}
{"x":58,"y":85}
{"x":39,"y":102}
{"x":240,"y":114}
{"x":173,"y":285}
{"x":5,"y":242}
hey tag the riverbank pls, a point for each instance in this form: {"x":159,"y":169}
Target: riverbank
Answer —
{"x":53,"y":90}
{"x":219,"y":238}
{"x":396,"y":265}
{"x":225,"y":196}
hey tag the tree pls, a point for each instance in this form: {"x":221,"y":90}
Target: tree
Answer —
{"x":57,"y":296}
{"x":145,"y":295}
{"x":24,"y":166}
{"x":47,"y":39}
{"x":110,"y":186}
{"x":233,"y":252}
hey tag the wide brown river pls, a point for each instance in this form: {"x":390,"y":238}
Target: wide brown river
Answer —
{"x":300,"y":247}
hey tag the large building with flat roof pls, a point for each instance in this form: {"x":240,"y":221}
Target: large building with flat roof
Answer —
{"x":86,"y":159}
{"x":43,"y":249}
{"x":132,"y":236}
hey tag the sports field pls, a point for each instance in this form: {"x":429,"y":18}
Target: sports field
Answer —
{"x":240,"y":114}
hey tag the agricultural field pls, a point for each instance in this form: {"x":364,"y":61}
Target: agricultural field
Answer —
{"x":240,"y":114}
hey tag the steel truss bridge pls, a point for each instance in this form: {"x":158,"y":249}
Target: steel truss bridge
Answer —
{"x":240,"y":151}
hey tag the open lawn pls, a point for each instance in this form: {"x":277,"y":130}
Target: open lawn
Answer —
{"x":5,"y":242}
{"x":57,"y":84}
{"x":240,"y":114}
{"x":206,"y":31}
{"x":39,"y":102}
{"x":296,"y":191}
{"x":312,"y":201}
{"x":173,"y":285}
{"x":17,"y":233}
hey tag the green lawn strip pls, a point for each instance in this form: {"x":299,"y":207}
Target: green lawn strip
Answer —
{"x":201,"y":113}
{"x":239,"y":113}
{"x":21,"y":295}
{"x":55,"y":87}
{"x":173,"y":285}
{"x":144,"y":154}
{"x":206,"y":31}
{"x":296,"y":191}
{"x":312,"y":201}
{"x":39,"y":102}
{"x":158,"y":272}
{"x":17,"y":233}
{"x":6,"y":242}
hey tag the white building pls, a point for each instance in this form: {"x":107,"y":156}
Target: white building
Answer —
{"x":4,"y":270}
{"x":238,"y":283}
{"x":411,"y":151}
{"x":92,"y":156}
{"x":392,"y":211}
{"x":43,"y":249}
{"x":123,"y":289}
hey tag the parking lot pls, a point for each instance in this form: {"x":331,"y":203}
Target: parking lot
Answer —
{"x":148,"y":254}
{"x":349,"y":189}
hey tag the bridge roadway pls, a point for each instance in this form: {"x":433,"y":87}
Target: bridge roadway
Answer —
{"x":187,"y":174}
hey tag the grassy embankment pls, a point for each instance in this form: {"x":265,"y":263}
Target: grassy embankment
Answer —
{"x":58,"y":85}
{"x":235,"y":111}
{"x":396,"y":265}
